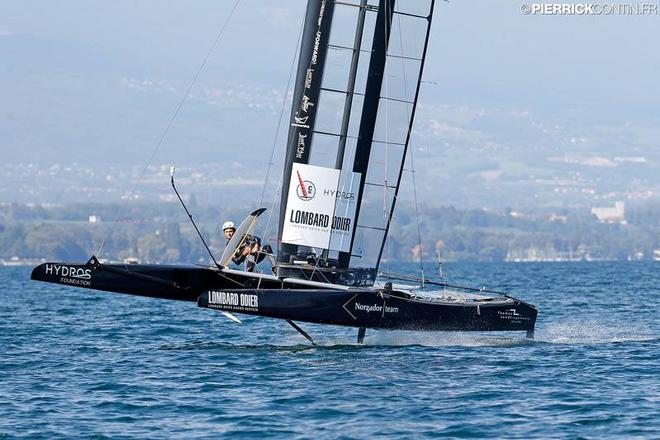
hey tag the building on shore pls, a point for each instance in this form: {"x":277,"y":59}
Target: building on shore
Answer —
{"x":609,"y":214}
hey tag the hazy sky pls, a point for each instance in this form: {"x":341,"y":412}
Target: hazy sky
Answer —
{"x":96,"y":81}
{"x":489,"y":45}
{"x":483,"y":53}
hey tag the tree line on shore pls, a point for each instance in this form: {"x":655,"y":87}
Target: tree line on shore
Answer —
{"x":160,"y":232}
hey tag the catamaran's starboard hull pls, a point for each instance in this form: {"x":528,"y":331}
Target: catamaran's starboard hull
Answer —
{"x":372,"y":308}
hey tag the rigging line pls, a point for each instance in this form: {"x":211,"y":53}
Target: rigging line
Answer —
{"x":412,"y":162}
{"x":279,"y":126}
{"x":386,"y":212}
{"x":278,"y":187}
{"x":268,"y":222}
{"x":170,"y":123}
{"x":201,"y":237}
{"x":279,"y":122}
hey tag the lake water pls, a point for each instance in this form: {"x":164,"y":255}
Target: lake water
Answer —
{"x":80,"y":363}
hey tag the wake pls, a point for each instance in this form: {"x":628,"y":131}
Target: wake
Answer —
{"x":576,"y":332}
{"x":569,"y":333}
{"x":593,"y":332}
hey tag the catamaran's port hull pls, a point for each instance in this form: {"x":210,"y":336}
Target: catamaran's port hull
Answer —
{"x":240,"y":292}
{"x":173,"y":282}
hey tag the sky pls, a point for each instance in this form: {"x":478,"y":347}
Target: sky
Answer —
{"x":95,"y":82}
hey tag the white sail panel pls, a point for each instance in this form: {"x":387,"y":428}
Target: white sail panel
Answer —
{"x":392,"y":122}
{"x":310,"y":206}
{"x":420,"y":8}
{"x":329,"y":116}
{"x":321,"y":208}
{"x":343,"y":223}
{"x":386,"y":163}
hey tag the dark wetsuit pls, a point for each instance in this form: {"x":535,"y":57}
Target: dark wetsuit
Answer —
{"x":239,"y":256}
{"x":253,"y":258}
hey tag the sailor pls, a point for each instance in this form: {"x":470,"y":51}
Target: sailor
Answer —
{"x":249,"y":251}
{"x":228,"y":229}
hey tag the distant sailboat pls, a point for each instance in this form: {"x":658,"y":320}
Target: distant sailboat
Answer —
{"x":341,"y":180}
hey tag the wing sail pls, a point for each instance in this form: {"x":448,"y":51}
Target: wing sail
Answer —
{"x":359,"y":72}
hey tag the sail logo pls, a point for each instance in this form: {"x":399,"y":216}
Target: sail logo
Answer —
{"x":339,"y":194}
{"x":512,"y":315}
{"x":375,"y":308}
{"x":69,"y":271}
{"x":301,"y":121}
{"x":306,"y":190}
{"x":320,"y":207}
{"x":233,"y":301}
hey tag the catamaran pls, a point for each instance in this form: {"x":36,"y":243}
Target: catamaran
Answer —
{"x":340,"y":184}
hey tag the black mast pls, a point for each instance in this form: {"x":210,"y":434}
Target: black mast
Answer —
{"x":370,"y":106}
{"x":350,"y":91}
{"x":313,"y":51}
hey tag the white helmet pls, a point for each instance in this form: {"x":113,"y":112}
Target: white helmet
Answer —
{"x":228,"y":225}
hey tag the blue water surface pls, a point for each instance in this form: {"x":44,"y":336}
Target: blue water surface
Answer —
{"x":80,"y":363}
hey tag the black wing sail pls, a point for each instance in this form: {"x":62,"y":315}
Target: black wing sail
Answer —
{"x":358,"y":80}
{"x":398,"y":56}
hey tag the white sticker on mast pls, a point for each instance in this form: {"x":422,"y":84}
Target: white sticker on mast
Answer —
{"x":343,"y":222}
{"x":310,"y":206}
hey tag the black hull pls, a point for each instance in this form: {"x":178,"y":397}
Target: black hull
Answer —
{"x":263,"y":295}
{"x":173,"y":282}
{"x":372,"y":308}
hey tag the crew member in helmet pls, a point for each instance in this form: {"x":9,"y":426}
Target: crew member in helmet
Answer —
{"x":249,"y":250}
{"x":228,"y":229}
